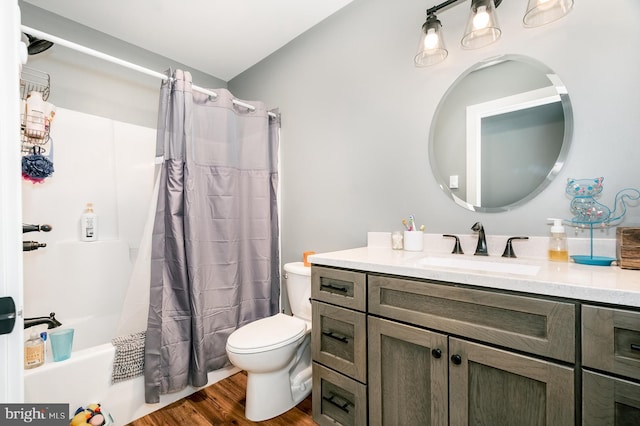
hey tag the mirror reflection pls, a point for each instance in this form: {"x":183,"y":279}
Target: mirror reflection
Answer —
{"x":501,"y":133}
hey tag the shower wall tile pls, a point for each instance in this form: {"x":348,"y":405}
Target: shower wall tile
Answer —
{"x":96,"y":160}
{"x":76,"y":280}
{"x":135,"y":148}
{"x":84,"y":172}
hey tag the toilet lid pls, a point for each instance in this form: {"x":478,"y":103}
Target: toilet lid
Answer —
{"x":266,"y":334}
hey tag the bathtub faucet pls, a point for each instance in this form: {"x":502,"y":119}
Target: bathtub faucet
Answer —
{"x":35,"y":228}
{"x":51,"y":321}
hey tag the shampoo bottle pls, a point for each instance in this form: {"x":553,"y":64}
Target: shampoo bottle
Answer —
{"x":558,"y":250}
{"x":35,"y":115}
{"x":89,"y":224}
{"x":33,"y":352}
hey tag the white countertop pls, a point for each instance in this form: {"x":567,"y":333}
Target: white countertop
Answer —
{"x":603,"y":284}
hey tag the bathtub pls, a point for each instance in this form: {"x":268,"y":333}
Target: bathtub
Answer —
{"x":92,"y":309}
{"x":86,"y":378}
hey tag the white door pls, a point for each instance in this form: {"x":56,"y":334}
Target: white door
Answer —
{"x":11,"y":345}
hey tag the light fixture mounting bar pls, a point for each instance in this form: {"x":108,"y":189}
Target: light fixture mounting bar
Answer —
{"x":440,"y":6}
{"x":444,"y":4}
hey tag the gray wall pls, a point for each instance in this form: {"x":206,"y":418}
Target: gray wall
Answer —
{"x":94,"y":86}
{"x":356,"y":117}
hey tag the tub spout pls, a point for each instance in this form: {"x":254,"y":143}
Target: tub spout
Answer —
{"x":51,"y":321}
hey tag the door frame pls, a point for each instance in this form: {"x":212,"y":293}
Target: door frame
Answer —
{"x":11,"y":345}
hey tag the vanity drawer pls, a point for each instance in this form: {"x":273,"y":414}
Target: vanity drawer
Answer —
{"x":339,"y":287}
{"x":337,"y":399}
{"x":611,"y":340}
{"x":339,"y":339}
{"x":533,"y":325}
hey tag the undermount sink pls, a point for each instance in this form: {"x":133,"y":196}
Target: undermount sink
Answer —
{"x":475,"y":264}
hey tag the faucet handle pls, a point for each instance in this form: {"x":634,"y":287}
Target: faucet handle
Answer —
{"x":457,"y":249}
{"x":508,"y":250}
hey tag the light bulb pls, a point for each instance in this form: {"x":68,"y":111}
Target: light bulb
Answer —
{"x":481,"y":20}
{"x":431,"y":39}
{"x":545,"y":4}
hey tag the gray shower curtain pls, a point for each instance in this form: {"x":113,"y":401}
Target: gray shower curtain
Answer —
{"x":215,"y":260}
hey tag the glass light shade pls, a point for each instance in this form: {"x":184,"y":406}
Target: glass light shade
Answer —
{"x":540,"y":12}
{"x":431,"y":49}
{"x":482,"y":26}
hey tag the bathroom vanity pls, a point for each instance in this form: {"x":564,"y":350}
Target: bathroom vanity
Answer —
{"x":414,"y":338}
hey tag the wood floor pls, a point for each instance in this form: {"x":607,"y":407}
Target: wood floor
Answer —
{"x":221,"y":404}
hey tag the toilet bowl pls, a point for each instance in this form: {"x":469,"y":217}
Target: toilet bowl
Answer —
{"x":276,"y":352}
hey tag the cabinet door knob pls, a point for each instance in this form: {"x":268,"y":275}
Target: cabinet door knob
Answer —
{"x":456,"y":359}
{"x":437,"y":353}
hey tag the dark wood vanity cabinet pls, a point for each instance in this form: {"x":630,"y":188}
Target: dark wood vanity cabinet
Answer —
{"x":339,"y":346}
{"x":415,"y":380}
{"x":490,"y":386}
{"x":611,"y":366}
{"x":391,"y":350}
{"x":408,"y":370}
{"x":434,"y":359}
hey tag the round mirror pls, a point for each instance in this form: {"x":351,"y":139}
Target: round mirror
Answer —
{"x":501,"y":133}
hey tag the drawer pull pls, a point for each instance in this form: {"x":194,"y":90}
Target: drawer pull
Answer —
{"x":336,"y":336}
{"x":635,"y":347}
{"x":332,"y":287}
{"x":332,"y":400}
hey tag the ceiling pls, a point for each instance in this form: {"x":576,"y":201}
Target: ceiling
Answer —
{"x":219,"y":37}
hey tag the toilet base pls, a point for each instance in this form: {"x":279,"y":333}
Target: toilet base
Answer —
{"x":271,"y":394}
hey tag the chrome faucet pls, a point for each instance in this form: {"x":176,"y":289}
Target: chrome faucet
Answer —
{"x":481,"y":248}
{"x":51,"y":321}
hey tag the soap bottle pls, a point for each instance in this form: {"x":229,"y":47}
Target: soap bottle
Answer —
{"x":35,"y":115}
{"x":89,"y":224}
{"x":33,"y":352}
{"x":558,"y":250}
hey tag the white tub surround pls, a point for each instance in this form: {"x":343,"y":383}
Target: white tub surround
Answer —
{"x":603,"y":284}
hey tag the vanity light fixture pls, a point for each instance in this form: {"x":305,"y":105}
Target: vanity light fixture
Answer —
{"x":431,"y":48}
{"x":540,"y":12}
{"x":482,"y":26}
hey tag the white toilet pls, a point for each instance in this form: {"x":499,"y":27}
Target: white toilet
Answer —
{"x":276,"y":351}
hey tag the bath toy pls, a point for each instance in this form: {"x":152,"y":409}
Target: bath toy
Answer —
{"x":91,"y":415}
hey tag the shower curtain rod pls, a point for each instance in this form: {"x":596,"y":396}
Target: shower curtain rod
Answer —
{"x":121,"y":62}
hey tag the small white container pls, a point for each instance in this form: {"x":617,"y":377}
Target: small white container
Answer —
{"x":413,"y":240}
{"x":397,"y":239}
{"x":89,"y":224}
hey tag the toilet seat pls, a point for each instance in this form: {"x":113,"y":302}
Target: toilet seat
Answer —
{"x":266,"y":334}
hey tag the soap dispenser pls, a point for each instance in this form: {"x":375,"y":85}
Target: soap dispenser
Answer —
{"x":33,"y":352}
{"x":558,"y":250}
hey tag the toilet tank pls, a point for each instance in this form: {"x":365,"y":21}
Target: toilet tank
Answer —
{"x":298,"y":283}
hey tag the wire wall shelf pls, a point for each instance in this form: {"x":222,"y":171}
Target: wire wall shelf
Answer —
{"x":32,"y":80}
{"x":34,"y":128}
